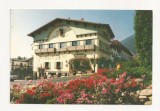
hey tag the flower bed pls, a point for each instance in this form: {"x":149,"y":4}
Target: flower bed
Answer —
{"x":97,"y":89}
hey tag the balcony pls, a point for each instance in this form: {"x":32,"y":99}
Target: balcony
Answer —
{"x":69,"y":49}
{"x":47,"y":50}
{"x":51,"y":50}
{"x":81,"y":47}
{"x":38,"y":51}
{"x":61,"y":50}
{"x":43,"y":50}
{"x":89,"y":47}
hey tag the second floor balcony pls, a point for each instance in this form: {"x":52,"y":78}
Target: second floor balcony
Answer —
{"x":81,"y":47}
{"x":45,"y":50}
{"x":66,"y":49}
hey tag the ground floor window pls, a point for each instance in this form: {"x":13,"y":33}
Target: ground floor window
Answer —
{"x":47,"y":65}
{"x":58,"y":65}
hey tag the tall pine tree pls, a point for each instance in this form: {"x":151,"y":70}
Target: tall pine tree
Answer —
{"x":143,"y":36}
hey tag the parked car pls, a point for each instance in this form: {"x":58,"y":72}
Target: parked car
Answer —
{"x":13,"y":77}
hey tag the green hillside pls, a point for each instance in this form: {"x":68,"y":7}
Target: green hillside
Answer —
{"x":129,"y":43}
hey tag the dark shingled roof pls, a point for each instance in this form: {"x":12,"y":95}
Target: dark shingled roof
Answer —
{"x":72,"y":20}
{"x":118,"y":44}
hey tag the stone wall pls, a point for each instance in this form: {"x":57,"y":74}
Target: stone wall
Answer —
{"x":145,"y":95}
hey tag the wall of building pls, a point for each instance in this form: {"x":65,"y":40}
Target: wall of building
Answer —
{"x":63,"y":57}
{"x":68,"y":37}
{"x":16,"y":64}
{"x":72,"y":32}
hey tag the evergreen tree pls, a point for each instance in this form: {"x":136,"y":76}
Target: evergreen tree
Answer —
{"x":143,"y":37}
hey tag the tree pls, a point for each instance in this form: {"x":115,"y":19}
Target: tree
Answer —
{"x":143,"y":37}
{"x":20,"y":58}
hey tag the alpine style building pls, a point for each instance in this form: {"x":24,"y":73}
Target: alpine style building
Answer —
{"x":67,"y":46}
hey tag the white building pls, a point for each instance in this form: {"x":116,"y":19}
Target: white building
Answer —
{"x":63,"y":45}
{"x":120,"y":52}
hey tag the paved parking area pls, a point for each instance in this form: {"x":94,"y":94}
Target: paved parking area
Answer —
{"x":59,"y":79}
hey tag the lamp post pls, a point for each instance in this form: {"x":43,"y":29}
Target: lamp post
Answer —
{"x":94,"y":60}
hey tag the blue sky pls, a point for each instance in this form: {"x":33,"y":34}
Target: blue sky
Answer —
{"x":25,"y":21}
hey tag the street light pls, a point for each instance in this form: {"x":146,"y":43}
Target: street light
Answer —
{"x":94,"y":60}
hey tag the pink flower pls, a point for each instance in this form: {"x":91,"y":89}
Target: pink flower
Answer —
{"x":104,"y":91}
{"x":64,"y":97}
{"x":123,"y":75}
{"x":117,"y":90}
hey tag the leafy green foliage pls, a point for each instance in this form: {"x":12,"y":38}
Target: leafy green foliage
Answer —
{"x":143,"y":36}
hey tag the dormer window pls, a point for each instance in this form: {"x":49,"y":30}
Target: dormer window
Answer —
{"x":61,"y":32}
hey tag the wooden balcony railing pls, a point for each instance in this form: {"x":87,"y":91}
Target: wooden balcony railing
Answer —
{"x":89,"y":47}
{"x":69,"y":48}
{"x":38,"y":51}
{"x":47,"y":50}
{"x":81,"y":47}
{"x":61,"y":50}
{"x":51,"y":50}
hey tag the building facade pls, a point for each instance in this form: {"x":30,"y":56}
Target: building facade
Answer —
{"x":22,"y":67}
{"x":66,"y":45}
{"x":120,"y":52}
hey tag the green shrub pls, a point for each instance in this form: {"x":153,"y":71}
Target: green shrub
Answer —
{"x":114,"y":74}
{"x":136,"y":72}
{"x":28,"y":78}
{"x":130,"y":64}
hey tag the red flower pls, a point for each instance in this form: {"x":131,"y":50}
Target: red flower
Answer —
{"x":46,"y":94}
{"x":33,"y":88}
{"x":104,"y":91}
{"x":112,"y":80}
{"x":30,"y":92}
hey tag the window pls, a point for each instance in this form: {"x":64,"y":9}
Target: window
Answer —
{"x":61,"y":32}
{"x":74,"y":43}
{"x":50,"y":45}
{"x":88,"y":42}
{"x":58,"y":65}
{"x":47,"y":65}
{"x":41,"y":46}
{"x":62,"y":45}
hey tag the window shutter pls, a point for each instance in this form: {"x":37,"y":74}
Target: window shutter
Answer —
{"x":44,"y":65}
{"x":49,"y":65}
{"x":55,"y":65}
{"x":84,"y":42}
{"x":59,"y":45}
{"x":61,"y":65}
{"x":65,"y":44}
{"x":92,"y":41}
{"x":78,"y":42}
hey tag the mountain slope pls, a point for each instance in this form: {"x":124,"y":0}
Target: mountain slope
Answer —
{"x":129,"y":43}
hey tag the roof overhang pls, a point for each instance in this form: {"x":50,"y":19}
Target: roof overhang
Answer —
{"x":71,"y":20}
